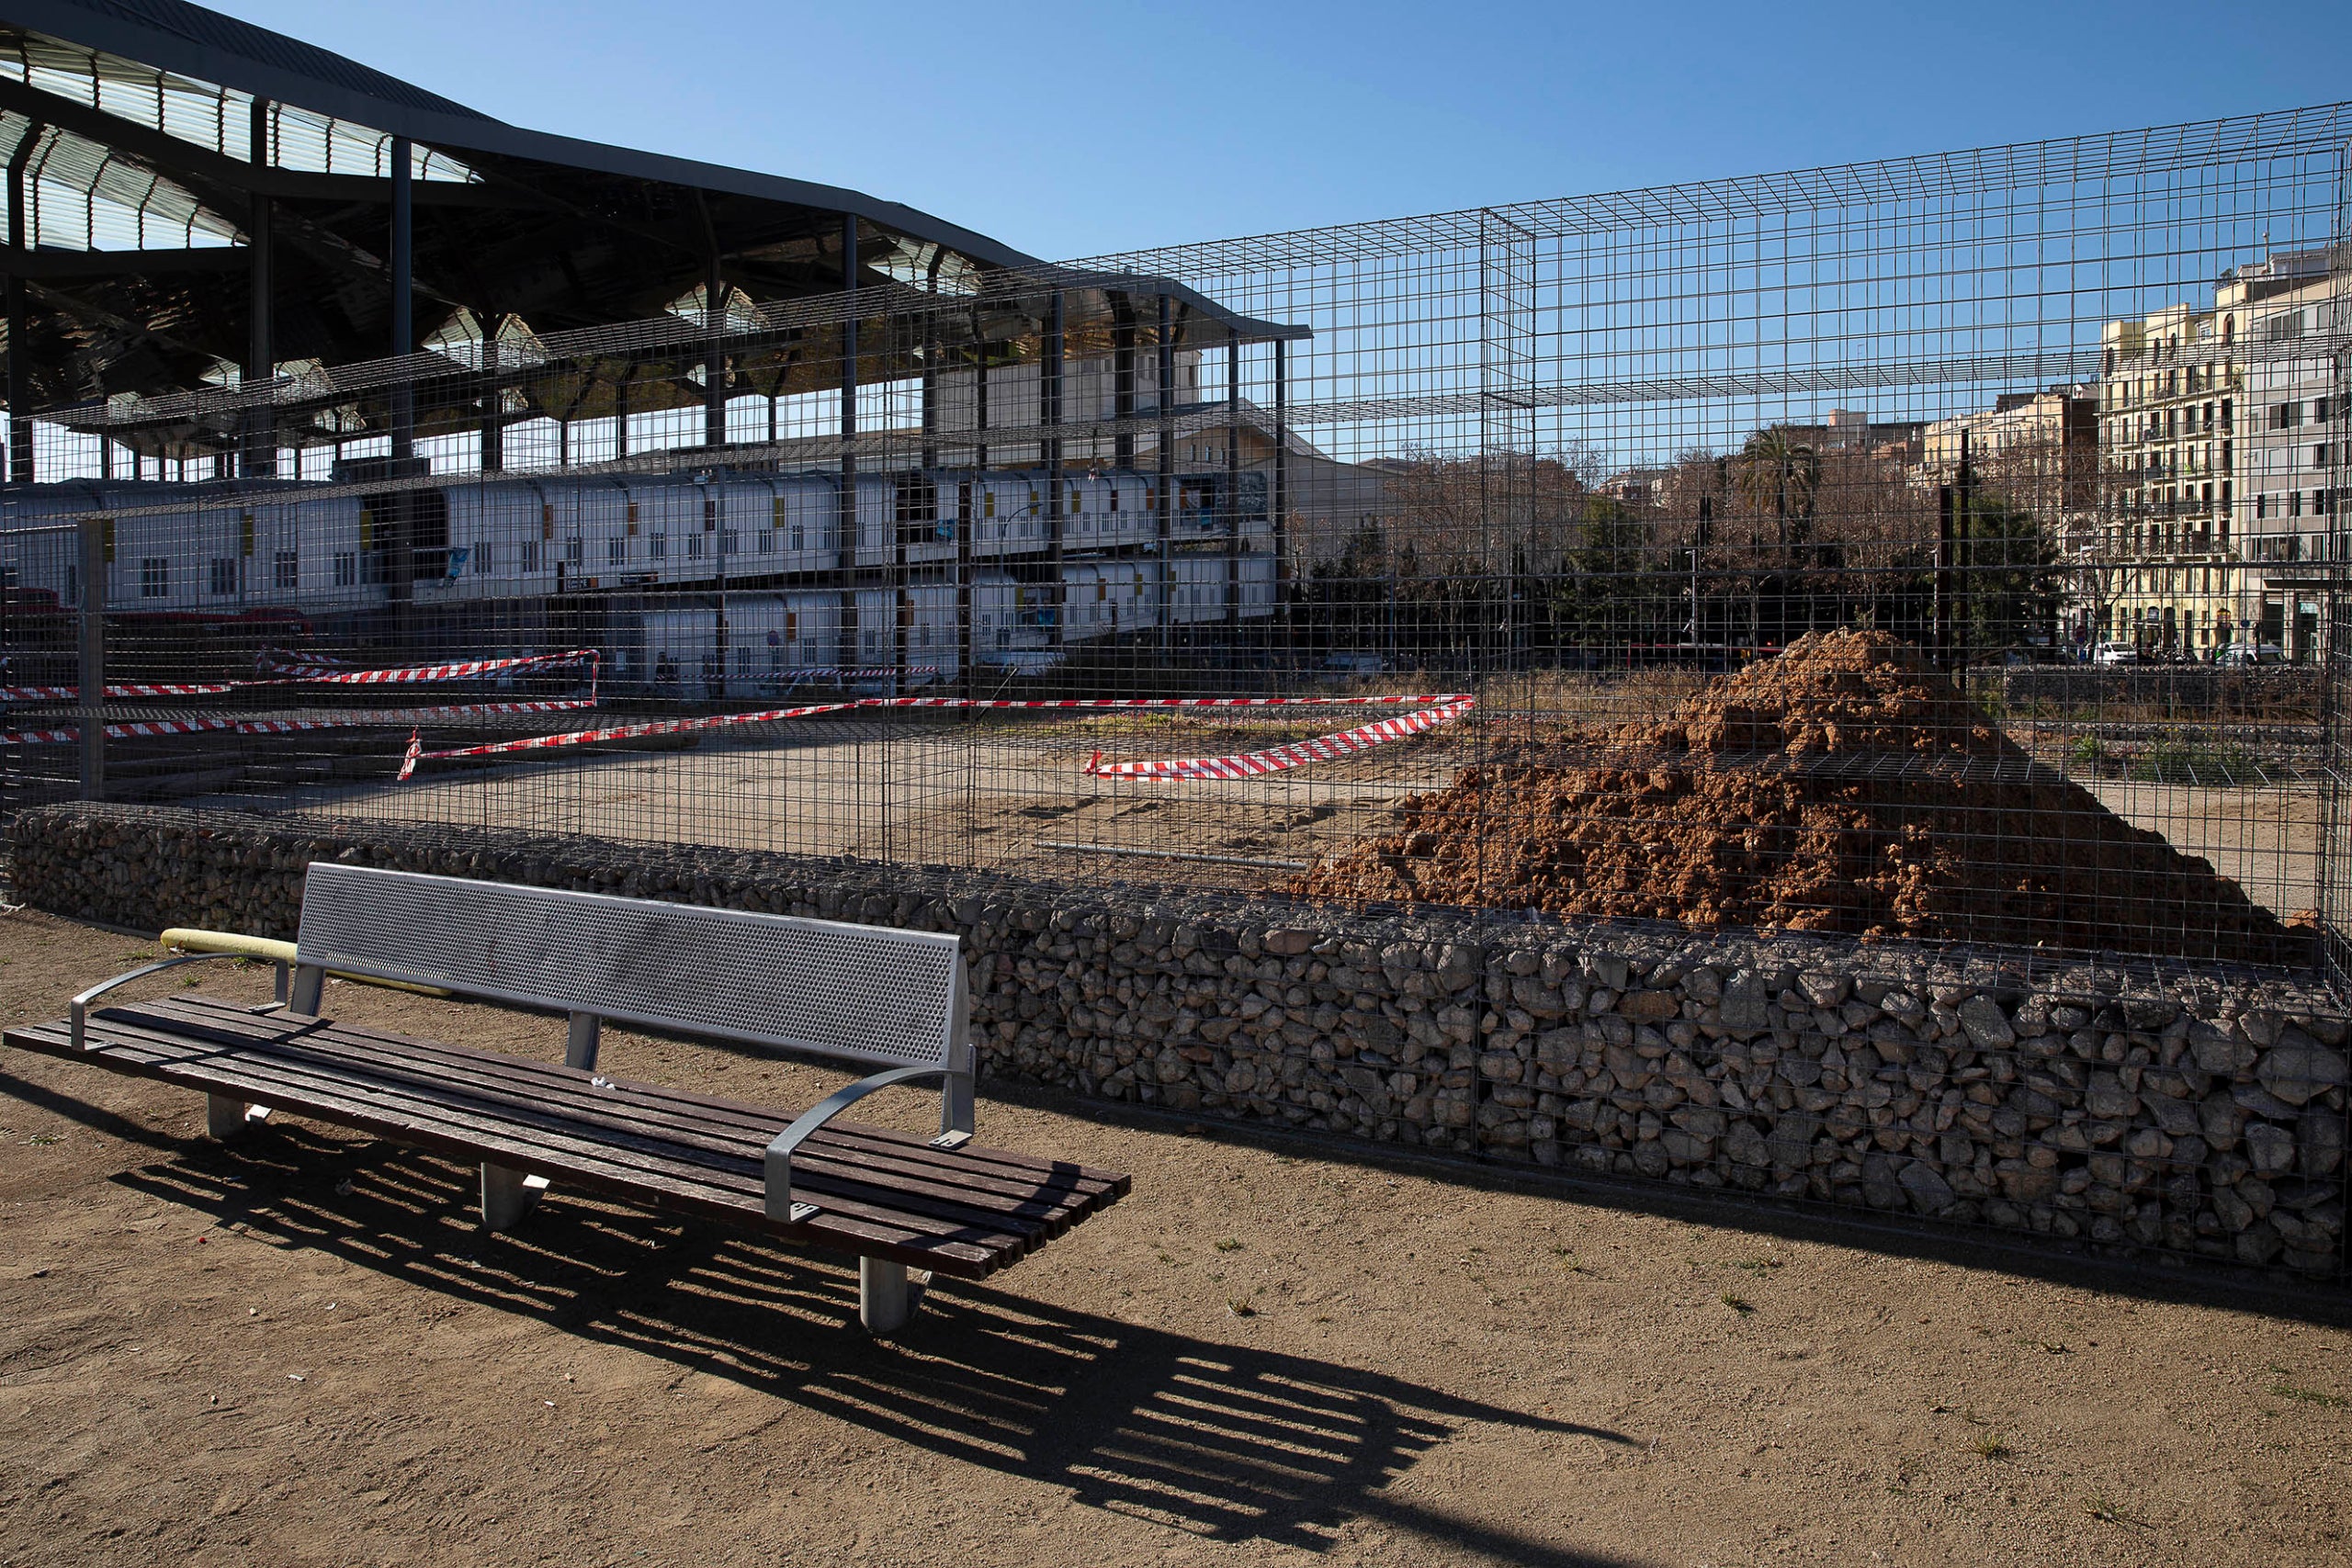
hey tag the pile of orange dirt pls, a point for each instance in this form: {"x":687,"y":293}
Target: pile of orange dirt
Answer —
{"x":1842,"y":786}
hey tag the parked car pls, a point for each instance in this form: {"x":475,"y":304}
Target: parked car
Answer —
{"x":2117,"y":653}
{"x":2249,"y":655}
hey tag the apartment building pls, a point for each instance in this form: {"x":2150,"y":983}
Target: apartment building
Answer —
{"x":2172,"y":565}
{"x":2293,"y":515}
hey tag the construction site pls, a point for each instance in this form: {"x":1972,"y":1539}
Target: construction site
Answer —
{"x":1832,"y":554}
{"x":1655,"y":877}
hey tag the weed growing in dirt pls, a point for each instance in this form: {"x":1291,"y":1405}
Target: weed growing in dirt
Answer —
{"x":2186,"y":761}
{"x":1739,"y":1304}
{"x":1990,"y":1445}
{"x":2286,"y":1390}
{"x":1228,"y":1244}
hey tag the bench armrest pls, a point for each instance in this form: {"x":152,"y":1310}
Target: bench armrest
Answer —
{"x":778,"y":1163}
{"x":81,"y":1004}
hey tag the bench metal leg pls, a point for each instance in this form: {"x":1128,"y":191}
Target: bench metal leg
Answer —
{"x":507,"y":1195}
{"x":227,"y":1118}
{"x":883,"y":1302}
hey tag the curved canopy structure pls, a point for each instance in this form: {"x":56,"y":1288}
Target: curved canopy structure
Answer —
{"x":195,"y":201}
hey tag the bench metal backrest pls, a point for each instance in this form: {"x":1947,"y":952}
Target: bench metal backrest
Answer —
{"x":858,"y":993}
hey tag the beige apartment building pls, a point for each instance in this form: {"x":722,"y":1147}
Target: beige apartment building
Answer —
{"x":2173,"y":564}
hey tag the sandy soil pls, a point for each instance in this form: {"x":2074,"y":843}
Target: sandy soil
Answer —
{"x":304,"y":1350}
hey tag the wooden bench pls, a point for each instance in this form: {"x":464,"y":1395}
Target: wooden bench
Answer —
{"x":876,"y":998}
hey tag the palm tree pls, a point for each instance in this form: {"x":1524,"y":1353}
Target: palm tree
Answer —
{"x":1778,"y":470}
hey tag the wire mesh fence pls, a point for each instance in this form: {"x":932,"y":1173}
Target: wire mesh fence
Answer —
{"x":1948,"y":549}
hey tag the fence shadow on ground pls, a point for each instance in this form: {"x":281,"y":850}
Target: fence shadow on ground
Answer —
{"x":1224,"y":1442}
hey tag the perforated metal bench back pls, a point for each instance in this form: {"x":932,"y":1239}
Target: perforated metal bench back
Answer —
{"x":864,"y":992}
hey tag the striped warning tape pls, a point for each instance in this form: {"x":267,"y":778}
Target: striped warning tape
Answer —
{"x":312,"y":675}
{"x":615,"y":732}
{"x":1437,"y":710}
{"x":146,"y":728}
{"x":1322,"y":749}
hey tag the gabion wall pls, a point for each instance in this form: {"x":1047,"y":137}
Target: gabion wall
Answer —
{"x":2197,"y":1113}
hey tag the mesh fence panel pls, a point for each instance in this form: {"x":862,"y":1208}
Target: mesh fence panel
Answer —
{"x":1946,"y":549}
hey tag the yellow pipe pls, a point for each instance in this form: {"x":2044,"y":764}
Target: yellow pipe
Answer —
{"x":188,"y":940}
{"x":269,"y":949}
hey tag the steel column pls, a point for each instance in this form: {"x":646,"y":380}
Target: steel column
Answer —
{"x":979,"y":508}
{"x":1233,"y":485}
{"x":20,"y":375}
{"x":1282,"y":480}
{"x":91,"y":720}
{"x":714,"y":359}
{"x":1049,"y":410}
{"x":1165,"y":502}
{"x":260,"y":427}
{"x":846,"y":558}
{"x":401,"y":263}
{"x":1123,"y":381}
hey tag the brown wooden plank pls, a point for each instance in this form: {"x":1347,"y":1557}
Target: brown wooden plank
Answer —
{"x":568,"y":1091}
{"x":915,"y":1145}
{"x":867,"y":1227}
{"x":467,"y":1116}
{"x":1026,"y":1217}
{"x":844,"y":1225}
{"x":877,"y":1152}
{"x":275,"y":1083}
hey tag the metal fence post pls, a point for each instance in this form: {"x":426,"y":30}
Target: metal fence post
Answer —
{"x":91,"y":713}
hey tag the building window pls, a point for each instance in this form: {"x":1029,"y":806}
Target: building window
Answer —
{"x":694,"y":547}
{"x":224,"y":577}
{"x":347,"y":568}
{"x":287,"y":572}
{"x":155,"y":577}
{"x":657,"y":546}
{"x":731,"y":543}
{"x":2262,"y":505}
{"x":767,"y":541}
{"x":617,"y":550}
{"x":530,"y":556}
{"x":2294,"y":503}
{"x":485,"y":556}
{"x":800,"y":530}
{"x":575,"y":551}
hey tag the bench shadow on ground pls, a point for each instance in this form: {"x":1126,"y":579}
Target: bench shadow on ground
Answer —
{"x":1219,"y":1441}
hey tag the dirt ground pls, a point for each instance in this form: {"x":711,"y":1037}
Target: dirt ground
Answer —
{"x":1020,"y":798}
{"x":304,"y":1350}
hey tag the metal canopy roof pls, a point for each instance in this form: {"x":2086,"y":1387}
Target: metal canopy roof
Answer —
{"x":137,"y":118}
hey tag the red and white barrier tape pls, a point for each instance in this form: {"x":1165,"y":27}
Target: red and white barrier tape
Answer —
{"x":1441,"y":710}
{"x":1298,"y":753}
{"x":835,"y":672}
{"x":615,"y":732}
{"x":147,"y":728}
{"x":315,"y":675}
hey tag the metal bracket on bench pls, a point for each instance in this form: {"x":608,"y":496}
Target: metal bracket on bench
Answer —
{"x":507,"y":1195}
{"x":778,"y":1163}
{"x":581,"y":1040}
{"x":80,"y":1007}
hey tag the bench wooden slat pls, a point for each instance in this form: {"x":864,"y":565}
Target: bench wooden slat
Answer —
{"x":405,"y":1124}
{"x":725,"y":1111}
{"x":1031,"y":1213}
{"x":742,"y":1133}
{"x":1034,"y":1211}
{"x":295,"y":1072}
{"x":274,"y":1078}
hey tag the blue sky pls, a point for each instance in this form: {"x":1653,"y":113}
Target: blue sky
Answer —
{"x":1069,"y":130}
